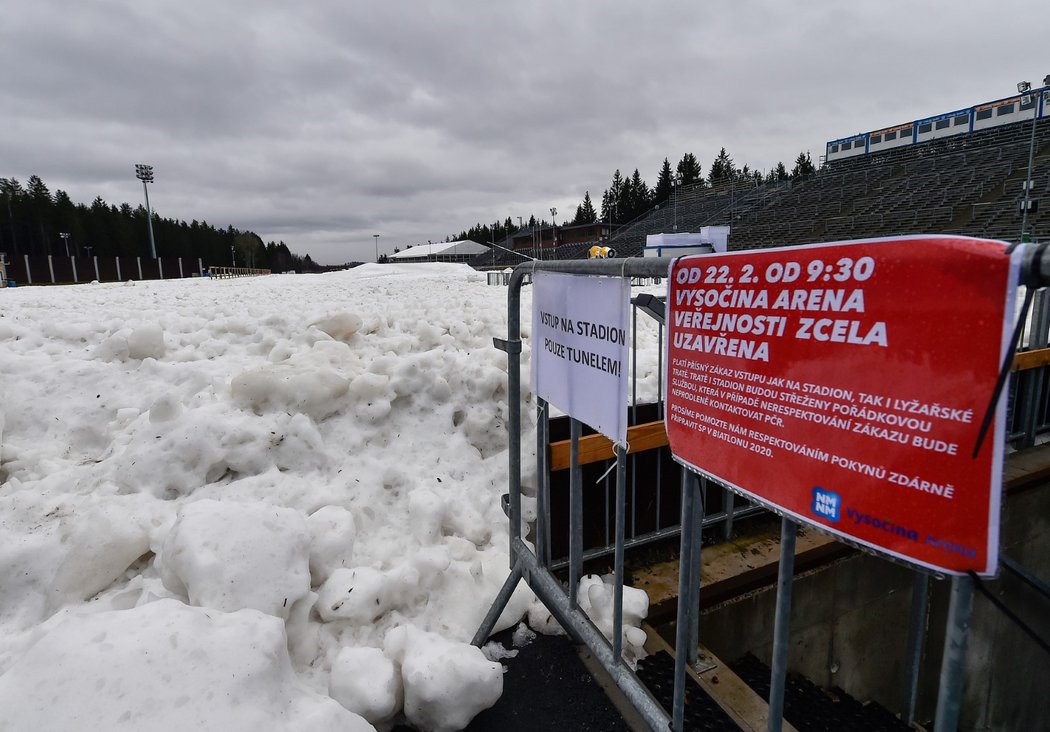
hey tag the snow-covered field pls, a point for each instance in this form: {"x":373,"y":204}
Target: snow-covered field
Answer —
{"x":266,"y":503}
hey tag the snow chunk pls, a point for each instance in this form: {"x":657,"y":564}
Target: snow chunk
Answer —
{"x":367,"y":683}
{"x":332,"y":533}
{"x":495,"y":651}
{"x":165,"y":409}
{"x":596,"y":599}
{"x":146,"y":341}
{"x":312,"y":391}
{"x":523,"y":635}
{"x":446,"y":683}
{"x":360,"y":594}
{"x":65,"y":551}
{"x":230,"y":556}
{"x":165,"y":666}
{"x":341,"y":326}
{"x":542,"y":620}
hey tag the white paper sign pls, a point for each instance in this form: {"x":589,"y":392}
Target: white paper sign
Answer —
{"x":580,"y":329}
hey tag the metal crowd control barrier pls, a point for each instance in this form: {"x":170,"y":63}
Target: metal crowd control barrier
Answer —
{"x":533,"y":567}
{"x":535,"y":570}
{"x":226,"y":272}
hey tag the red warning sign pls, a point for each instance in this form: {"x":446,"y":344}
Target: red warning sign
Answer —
{"x":845,"y":385}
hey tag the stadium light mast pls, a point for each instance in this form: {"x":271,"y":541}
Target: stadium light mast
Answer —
{"x":145,"y":174}
{"x":554,"y":233}
{"x":1023,"y":87}
{"x":65,"y":240}
{"x":376,"y":237}
{"x":676,"y":183}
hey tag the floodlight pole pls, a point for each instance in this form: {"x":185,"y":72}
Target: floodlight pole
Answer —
{"x":145,"y":174}
{"x":554,"y":233}
{"x":376,"y":237}
{"x":65,"y":240}
{"x":1023,"y":87}
{"x":676,"y":183}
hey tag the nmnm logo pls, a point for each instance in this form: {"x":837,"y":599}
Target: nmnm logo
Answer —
{"x":826,"y":504}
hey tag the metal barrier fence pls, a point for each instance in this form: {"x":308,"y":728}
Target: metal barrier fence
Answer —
{"x":227,"y":272}
{"x":534,"y":567}
{"x":58,"y":270}
{"x":1028,"y":418}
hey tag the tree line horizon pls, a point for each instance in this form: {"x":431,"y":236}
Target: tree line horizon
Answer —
{"x":627,"y":198}
{"x":36,"y":220}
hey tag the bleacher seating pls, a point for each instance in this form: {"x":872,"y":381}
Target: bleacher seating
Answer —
{"x":971,"y":185}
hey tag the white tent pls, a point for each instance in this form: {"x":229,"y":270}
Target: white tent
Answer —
{"x":443,"y":249}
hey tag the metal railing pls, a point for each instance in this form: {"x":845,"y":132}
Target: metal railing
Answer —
{"x":227,"y":272}
{"x":536,"y":567}
{"x":532,"y":567}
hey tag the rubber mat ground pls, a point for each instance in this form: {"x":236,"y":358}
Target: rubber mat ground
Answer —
{"x":547,"y":688}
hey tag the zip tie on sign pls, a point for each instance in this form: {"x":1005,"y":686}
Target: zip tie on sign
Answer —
{"x":627,"y":451}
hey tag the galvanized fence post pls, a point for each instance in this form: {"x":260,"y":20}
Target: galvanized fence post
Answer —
{"x":920,"y":594}
{"x":543,"y":484}
{"x":685,"y":580}
{"x":953,"y":663}
{"x":621,"y":510}
{"x":695,"y":517}
{"x":575,"y":512}
{"x":782,"y":624}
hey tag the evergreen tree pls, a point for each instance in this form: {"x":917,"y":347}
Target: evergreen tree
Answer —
{"x":624,"y":202}
{"x":587,"y":213}
{"x":777,"y":173}
{"x":11,"y":191}
{"x":662,"y":192}
{"x":689,"y":169}
{"x":639,"y":195}
{"x":39,"y":202}
{"x":721,"y":169}
{"x":803,"y":167}
{"x":612,"y":199}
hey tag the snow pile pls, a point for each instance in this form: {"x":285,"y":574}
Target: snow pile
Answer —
{"x":165,"y":666}
{"x":198,"y":475}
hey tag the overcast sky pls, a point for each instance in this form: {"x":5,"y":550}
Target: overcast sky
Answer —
{"x":324,"y":122}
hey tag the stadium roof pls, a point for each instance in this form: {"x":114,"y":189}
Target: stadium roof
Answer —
{"x":441,"y":249}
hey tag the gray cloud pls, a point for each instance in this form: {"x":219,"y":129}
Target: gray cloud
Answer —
{"x":324,"y":124}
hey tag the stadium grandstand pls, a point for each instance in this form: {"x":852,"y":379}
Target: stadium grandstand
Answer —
{"x":963,"y":172}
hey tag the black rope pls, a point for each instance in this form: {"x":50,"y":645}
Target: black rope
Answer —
{"x":1008,"y":612}
{"x":1004,"y":372}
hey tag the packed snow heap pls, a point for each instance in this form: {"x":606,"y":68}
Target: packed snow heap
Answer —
{"x":264,"y":503}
